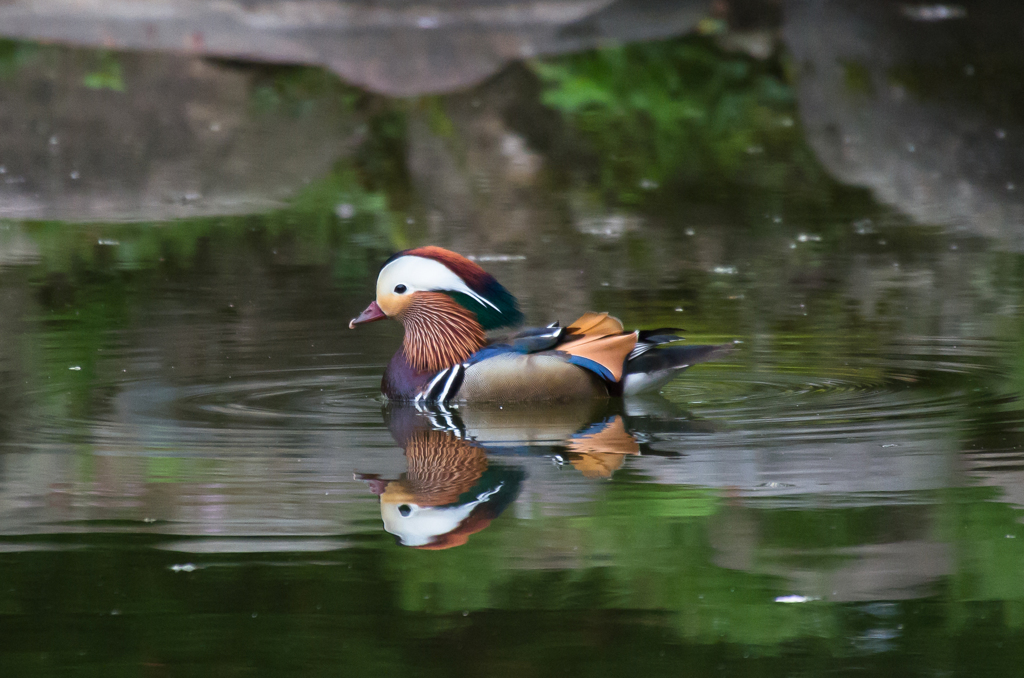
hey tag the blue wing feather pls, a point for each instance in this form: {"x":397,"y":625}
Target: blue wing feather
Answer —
{"x":529,"y":340}
{"x":594,"y":366}
{"x":535,"y":339}
{"x":489,"y":352}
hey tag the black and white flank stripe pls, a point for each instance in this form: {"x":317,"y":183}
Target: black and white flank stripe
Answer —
{"x":444,"y":385}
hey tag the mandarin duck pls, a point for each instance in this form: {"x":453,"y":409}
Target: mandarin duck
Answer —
{"x":447,"y":304}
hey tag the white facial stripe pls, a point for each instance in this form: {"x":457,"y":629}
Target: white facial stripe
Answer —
{"x":424,"y":523}
{"x":420,"y":274}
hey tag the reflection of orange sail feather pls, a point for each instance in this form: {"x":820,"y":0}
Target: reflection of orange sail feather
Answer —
{"x":601,"y":453}
{"x":601,"y":339}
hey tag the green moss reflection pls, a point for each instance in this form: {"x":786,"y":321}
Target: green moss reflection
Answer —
{"x":681,"y":115}
{"x":14,"y":55}
{"x":108,"y":74}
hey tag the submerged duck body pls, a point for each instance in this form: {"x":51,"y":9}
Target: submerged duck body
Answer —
{"x":447,"y":305}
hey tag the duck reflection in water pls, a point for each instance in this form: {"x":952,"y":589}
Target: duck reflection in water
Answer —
{"x":452,"y":489}
{"x":449,"y":492}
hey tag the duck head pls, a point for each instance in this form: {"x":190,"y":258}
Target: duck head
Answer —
{"x":445,"y":302}
{"x":408,"y":275}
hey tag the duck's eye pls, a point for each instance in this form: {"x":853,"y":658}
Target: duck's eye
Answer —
{"x":405,"y":510}
{"x":400,"y":289}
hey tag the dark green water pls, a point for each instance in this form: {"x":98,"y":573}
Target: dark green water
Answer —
{"x":195,"y":461}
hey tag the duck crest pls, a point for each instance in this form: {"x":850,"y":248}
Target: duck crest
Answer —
{"x":439,"y":332}
{"x":472,"y":273}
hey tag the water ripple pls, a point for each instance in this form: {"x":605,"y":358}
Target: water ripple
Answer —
{"x":913,"y":388}
{"x":306,"y":397}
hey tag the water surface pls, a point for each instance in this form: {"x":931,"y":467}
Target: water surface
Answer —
{"x":198,"y":475}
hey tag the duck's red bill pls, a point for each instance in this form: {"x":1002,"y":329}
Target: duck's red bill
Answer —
{"x":371,"y":314}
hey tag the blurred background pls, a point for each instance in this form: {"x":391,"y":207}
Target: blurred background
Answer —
{"x":197,"y":473}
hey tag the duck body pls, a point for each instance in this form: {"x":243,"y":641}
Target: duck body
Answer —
{"x":500,"y":371}
{"x":447,"y":304}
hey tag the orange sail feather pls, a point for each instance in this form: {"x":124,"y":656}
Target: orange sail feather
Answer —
{"x":601,"y":339}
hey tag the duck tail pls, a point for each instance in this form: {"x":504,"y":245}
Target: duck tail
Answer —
{"x":650,"y":366}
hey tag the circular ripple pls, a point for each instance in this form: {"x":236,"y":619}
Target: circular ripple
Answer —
{"x":291,"y":397}
{"x":156,"y":411}
{"x":914,"y":389}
